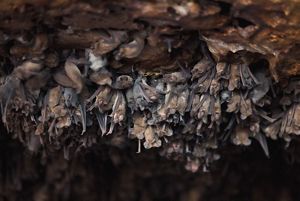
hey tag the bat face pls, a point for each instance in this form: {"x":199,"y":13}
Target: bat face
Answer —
{"x":7,"y":94}
{"x":182,"y":100}
{"x":123,"y":82}
{"x":148,"y":91}
{"x":105,"y":99}
{"x":195,"y":105}
{"x":291,"y":121}
{"x":130,"y":100}
{"x":234,"y":103}
{"x":214,"y":87}
{"x":217,"y":112}
{"x":163,"y":130}
{"x":245,"y":108}
{"x":199,"y":151}
{"x":234,"y":80}
{"x":101,"y":77}
{"x":192,"y":165}
{"x":247,"y":78}
{"x":255,"y":126}
{"x":273,"y":129}
{"x":221,"y":70}
{"x":52,"y":60}
{"x":144,"y":95}
{"x":241,"y":136}
{"x":201,"y":68}
{"x":54,"y":96}
{"x":151,"y":140}
{"x":139,"y":126}
{"x":70,"y":97}
{"x":102,"y":121}
{"x":262,"y":86}
{"x":171,"y":105}
{"x":225,"y":96}
{"x":63,"y":122}
{"x":204,"y":109}
{"x":176,"y":77}
{"x":34,"y":143}
{"x":119,"y":108}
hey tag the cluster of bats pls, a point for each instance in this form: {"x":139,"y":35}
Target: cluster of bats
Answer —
{"x":188,"y":111}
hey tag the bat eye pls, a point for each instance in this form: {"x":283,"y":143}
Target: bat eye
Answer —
{"x":123,"y":78}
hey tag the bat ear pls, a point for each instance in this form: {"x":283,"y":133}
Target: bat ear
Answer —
{"x":102,"y":121}
{"x":185,"y":70}
{"x":61,"y":78}
{"x":7,"y":92}
{"x":111,"y":128}
{"x":263,"y":143}
{"x":27,"y":69}
{"x":73,"y":72}
{"x":82,"y":108}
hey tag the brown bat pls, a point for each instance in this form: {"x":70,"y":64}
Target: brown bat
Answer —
{"x":131,"y":49}
{"x":27,"y":69}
